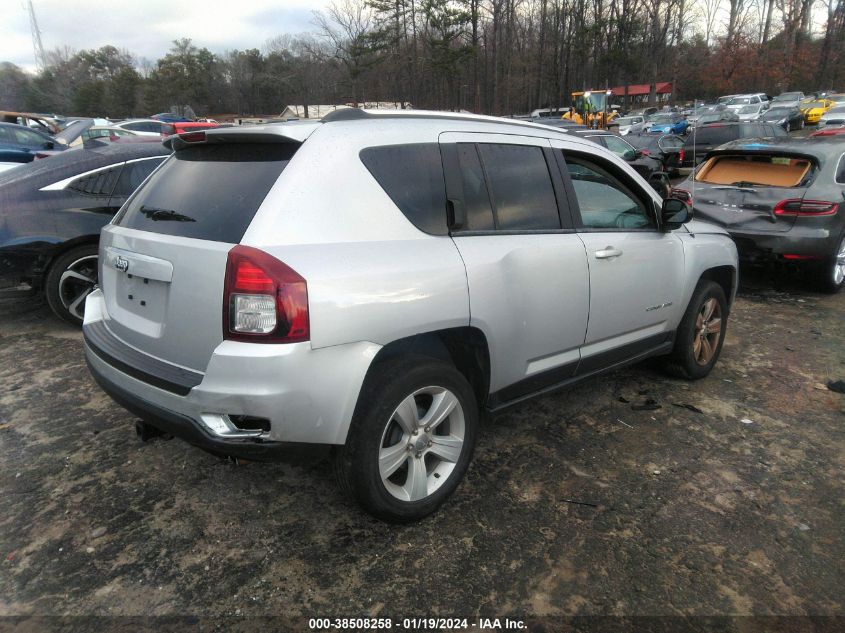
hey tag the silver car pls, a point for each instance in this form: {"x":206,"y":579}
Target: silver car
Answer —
{"x":375,"y":281}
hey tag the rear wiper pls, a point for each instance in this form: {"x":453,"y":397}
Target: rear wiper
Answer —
{"x":154,"y":213}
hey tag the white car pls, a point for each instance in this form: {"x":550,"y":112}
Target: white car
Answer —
{"x":740,"y":101}
{"x":630,"y":125}
{"x":456,"y":263}
{"x":142,"y":127}
{"x":835,"y":117}
{"x":750,"y":112}
{"x":788,"y":100}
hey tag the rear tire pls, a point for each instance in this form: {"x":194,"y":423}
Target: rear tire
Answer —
{"x":829,"y":275}
{"x":699,"y":339}
{"x":72,"y":277}
{"x":411,"y":438}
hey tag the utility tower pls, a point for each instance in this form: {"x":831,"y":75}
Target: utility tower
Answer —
{"x":37,"y":45}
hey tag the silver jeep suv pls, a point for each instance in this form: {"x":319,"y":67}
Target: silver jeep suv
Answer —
{"x":375,"y":281}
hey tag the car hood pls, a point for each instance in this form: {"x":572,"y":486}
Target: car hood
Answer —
{"x":702,"y":227}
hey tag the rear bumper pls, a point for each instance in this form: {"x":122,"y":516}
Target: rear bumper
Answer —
{"x":307,"y":395}
{"x":180,"y":425}
{"x":806,"y":242}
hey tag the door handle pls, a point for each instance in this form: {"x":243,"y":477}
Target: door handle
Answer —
{"x":608,"y":253}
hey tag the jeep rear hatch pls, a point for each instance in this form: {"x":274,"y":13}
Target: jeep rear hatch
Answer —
{"x":164,"y":257}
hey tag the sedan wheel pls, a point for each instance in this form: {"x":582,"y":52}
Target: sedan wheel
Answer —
{"x":839,"y":264}
{"x":72,"y":277}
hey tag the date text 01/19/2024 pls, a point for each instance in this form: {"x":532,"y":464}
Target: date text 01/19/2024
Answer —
{"x":415,"y":624}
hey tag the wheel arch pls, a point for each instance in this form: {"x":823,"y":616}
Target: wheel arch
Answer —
{"x":465,"y":347}
{"x":726,"y":277}
{"x":59,"y":250}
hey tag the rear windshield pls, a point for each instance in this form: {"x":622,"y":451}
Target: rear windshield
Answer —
{"x":715,"y":135}
{"x":764,"y":170}
{"x":208,"y":192}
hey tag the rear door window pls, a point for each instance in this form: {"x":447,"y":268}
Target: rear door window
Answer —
{"x":712,"y":135}
{"x":520,"y":186}
{"x":208,"y":192}
{"x":412,"y":175}
{"x":100,"y":183}
{"x":476,"y":199}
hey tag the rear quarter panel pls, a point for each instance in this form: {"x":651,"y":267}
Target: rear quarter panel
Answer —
{"x":371,"y":274}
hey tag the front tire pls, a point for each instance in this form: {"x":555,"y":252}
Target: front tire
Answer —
{"x":411,"y":438}
{"x":72,"y":277}
{"x":700,"y":336}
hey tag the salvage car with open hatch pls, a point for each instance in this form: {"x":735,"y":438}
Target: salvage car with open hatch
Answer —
{"x":781,"y":199}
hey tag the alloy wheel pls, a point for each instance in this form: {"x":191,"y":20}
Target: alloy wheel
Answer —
{"x":76,"y":283}
{"x":708,"y":329}
{"x":421,"y":443}
{"x":839,"y":264}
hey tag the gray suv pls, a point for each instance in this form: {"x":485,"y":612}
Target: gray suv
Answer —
{"x":375,"y":281}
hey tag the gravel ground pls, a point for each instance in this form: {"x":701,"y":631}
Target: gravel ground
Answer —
{"x":724,"y":499}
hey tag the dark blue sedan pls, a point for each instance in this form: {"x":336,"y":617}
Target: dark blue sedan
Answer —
{"x":22,"y":139}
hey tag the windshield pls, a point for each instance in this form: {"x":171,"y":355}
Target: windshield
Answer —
{"x":777,"y":113}
{"x":709,"y":118}
{"x":749,"y":109}
{"x":594,"y":102}
{"x":739,"y":101}
{"x":788,"y":96}
{"x":816,"y":104}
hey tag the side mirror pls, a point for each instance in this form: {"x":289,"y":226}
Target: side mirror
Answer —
{"x":630,"y":154}
{"x":49,"y":145}
{"x":674,"y":213}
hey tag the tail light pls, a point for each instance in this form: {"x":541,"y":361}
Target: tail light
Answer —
{"x":681,"y":155}
{"x":681,"y":194}
{"x":264,"y":300}
{"x":805,"y":207}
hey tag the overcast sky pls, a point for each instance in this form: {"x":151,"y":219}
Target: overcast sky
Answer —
{"x":147,"y":27}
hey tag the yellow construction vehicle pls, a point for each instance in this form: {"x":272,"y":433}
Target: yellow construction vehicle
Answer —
{"x":591,"y":108}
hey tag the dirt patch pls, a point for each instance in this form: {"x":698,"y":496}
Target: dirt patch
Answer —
{"x":679,"y":510}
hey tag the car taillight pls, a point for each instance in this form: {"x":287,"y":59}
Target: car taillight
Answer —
{"x":681,"y":194}
{"x":264,"y":300}
{"x":805,"y":207}
{"x":681,"y":155}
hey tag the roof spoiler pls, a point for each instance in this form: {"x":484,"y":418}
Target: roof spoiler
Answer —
{"x":274,"y":134}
